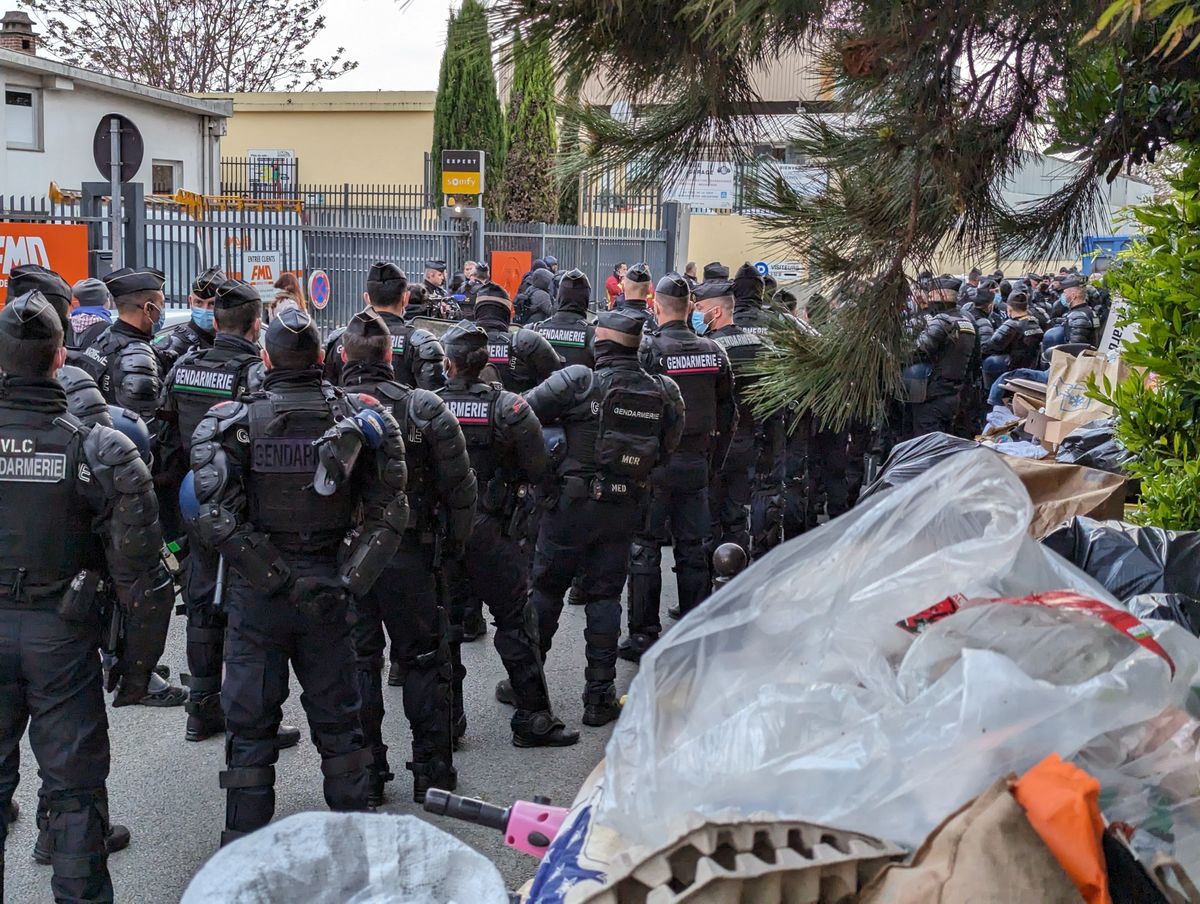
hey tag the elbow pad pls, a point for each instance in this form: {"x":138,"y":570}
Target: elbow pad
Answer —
{"x":375,"y":549}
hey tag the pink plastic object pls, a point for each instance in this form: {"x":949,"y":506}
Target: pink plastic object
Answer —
{"x":532,"y":826}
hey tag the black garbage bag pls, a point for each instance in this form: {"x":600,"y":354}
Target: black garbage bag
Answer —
{"x":912,"y":458}
{"x":1093,"y":445}
{"x":1130,"y":560}
{"x":1177,"y":607}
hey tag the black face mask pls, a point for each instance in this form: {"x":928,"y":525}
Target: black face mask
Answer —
{"x":609,"y":347}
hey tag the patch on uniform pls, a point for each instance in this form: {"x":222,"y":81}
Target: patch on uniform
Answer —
{"x":470,"y":411}
{"x":705,"y":362}
{"x":161,"y":338}
{"x":368,"y":399}
{"x":85,"y":474}
{"x":223,"y":409}
{"x":568,"y":337}
{"x":398,"y":342}
{"x":20,"y":462}
{"x":284,"y":455}
{"x":207,"y":382}
{"x":497,"y":352}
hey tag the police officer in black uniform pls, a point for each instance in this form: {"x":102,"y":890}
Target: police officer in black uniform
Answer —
{"x":35,"y":278}
{"x":229,"y":369}
{"x":520,"y":360}
{"x":620,"y":423}
{"x":104,"y":518}
{"x":679,"y":488}
{"x":568,"y":330}
{"x":281,"y":477}
{"x":749,"y":315}
{"x":635,"y":289}
{"x":508,"y":453}
{"x":441,"y":490}
{"x":1082,"y":324}
{"x":950,"y":345}
{"x":752,"y":463}
{"x":1016,"y":343}
{"x":417,"y":355}
{"x":435,"y":279}
{"x":122,"y":360}
{"x":197,"y":332}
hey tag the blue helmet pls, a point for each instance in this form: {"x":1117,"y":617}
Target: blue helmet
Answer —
{"x":189,"y":505}
{"x":134,"y":427}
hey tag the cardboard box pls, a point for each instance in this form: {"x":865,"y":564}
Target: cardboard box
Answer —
{"x":1047,"y":430}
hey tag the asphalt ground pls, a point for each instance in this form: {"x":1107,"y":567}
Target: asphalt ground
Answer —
{"x":165,"y":789}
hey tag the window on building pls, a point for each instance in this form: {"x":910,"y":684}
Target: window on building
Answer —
{"x":167,"y":176}
{"x":23,"y":118}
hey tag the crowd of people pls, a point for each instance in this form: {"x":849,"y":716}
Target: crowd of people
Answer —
{"x":329,"y":506}
{"x":972,"y":334}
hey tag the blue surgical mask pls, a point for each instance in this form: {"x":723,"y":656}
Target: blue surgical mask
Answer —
{"x":161,"y":321}
{"x":699,"y":324}
{"x":203,"y":318}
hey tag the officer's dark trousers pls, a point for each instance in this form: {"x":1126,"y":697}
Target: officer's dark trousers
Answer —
{"x":766,"y":501}
{"x":729,"y":494}
{"x":264,"y":635}
{"x":496,"y":572}
{"x":593,"y":538}
{"x":205,"y":624}
{"x":50,"y":681}
{"x":677,"y":511}
{"x":404,"y":601}
{"x":935,"y":415}
{"x":827,"y":465}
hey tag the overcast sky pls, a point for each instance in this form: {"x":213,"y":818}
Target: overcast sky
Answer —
{"x":398,"y":45}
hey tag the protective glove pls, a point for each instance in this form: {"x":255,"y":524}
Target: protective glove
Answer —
{"x":321,"y":600}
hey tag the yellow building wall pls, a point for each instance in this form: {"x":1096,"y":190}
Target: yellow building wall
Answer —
{"x":732,"y":239}
{"x":338,"y":136}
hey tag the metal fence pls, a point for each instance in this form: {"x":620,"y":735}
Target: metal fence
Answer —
{"x":260,"y":177}
{"x":595,"y":251}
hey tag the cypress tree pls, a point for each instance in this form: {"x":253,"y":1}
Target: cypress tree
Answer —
{"x":467,"y":112}
{"x":531,"y":190}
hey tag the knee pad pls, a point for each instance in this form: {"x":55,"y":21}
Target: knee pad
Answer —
{"x":644,"y":559}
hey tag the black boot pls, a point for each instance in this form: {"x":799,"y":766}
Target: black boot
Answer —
{"x":10,"y":814}
{"x":474,"y":625}
{"x":395,"y":674}
{"x":635,"y":646}
{"x":600,"y":707}
{"x":575,"y":595}
{"x":205,"y":718}
{"x":431,"y":775}
{"x":540,"y":729}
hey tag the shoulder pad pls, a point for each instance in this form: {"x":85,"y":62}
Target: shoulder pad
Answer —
{"x":108,"y":448}
{"x":426,"y":344}
{"x":333,"y":341}
{"x":426,"y":405}
{"x":525,"y":341}
{"x":511,"y":408}
{"x":219,"y":419}
{"x":138,"y":357}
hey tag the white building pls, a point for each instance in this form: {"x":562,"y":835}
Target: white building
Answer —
{"x":51,"y":112}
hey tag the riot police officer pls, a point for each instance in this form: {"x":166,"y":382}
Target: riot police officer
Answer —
{"x":1081,"y":325}
{"x":749,"y":315}
{"x":35,"y":278}
{"x":441,"y":490}
{"x":100,"y":493}
{"x":281,"y":477}
{"x":752,"y":466}
{"x":198,"y":332}
{"x":504,"y":441}
{"x":679,"y":489}
{"x":567,"y":329}
{"x":435,"y":279}
{"x":620,"y":423}
{"x":122,"y":360}
{"x":1016,"y":343}
{"x":417,"y":356}
{"x":519,"y":360}
{"x":949,"y":344}
{"x":228,"y":369}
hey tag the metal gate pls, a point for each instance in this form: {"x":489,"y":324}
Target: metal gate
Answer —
{"x":594,"y":251}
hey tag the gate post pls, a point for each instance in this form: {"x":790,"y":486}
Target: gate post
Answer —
{"x":677,"y":224}
{"x":133,"y":194}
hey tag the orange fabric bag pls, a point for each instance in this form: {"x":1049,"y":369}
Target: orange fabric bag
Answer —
{"x":1062,"y":803}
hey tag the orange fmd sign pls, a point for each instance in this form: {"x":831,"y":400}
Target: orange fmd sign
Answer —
{"x":55,"y":246}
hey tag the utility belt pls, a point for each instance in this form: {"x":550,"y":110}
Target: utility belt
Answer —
{"x":510,"y":502}
{"x":308,"y":543}
{"x":599,"y":488}
{"x":77,"y":599}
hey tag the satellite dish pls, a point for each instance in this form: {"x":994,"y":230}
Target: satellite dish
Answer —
{"x":622,"y":112}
